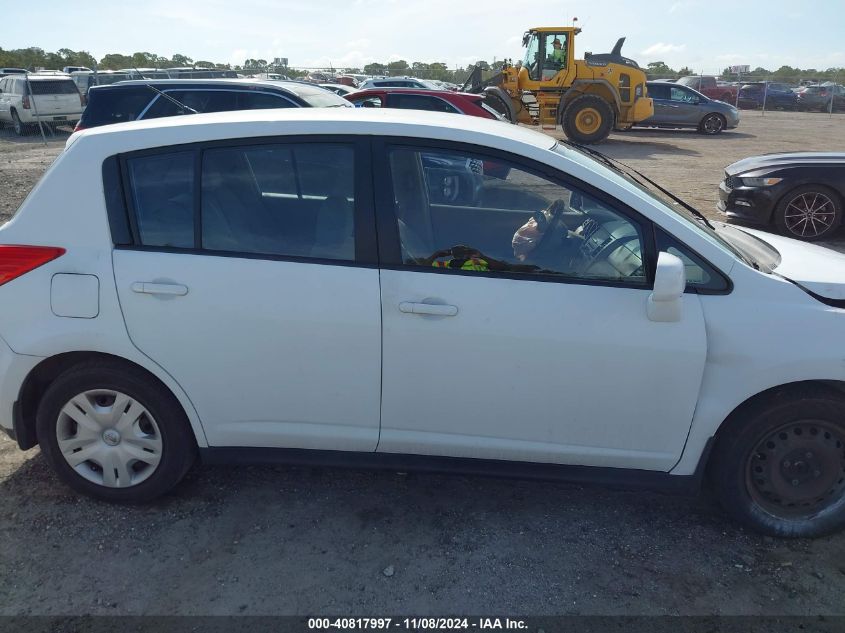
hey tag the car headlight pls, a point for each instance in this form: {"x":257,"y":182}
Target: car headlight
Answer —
{"x":760,"y":182}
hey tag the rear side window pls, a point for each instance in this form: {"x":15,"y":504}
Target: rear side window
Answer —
{"x":115,"y":105}
{"x":53,"y":87}
{"x":261,"y":101}
{"x":162,"y":190}
{"x":420,"y":102}
{"x":292,"y":199}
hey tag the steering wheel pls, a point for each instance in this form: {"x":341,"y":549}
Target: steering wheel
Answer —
{"x":557,"y":208}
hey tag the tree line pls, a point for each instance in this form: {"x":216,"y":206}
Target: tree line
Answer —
{"x":34,"y":57}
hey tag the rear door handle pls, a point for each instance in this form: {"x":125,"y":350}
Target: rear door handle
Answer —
{"x":149,"y":288}
{"x":436,"y":309}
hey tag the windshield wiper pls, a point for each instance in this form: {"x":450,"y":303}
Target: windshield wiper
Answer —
{"x":176,"y":102}
{"x":615,"y":164}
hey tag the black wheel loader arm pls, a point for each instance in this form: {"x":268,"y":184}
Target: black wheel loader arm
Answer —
{"x":475,"y":85}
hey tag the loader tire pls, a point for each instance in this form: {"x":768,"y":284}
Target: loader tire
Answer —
{"x":587,"y":119}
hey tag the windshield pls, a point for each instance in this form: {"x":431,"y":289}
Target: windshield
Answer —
{"x":318,"y":97}
{"x":719,"y":234}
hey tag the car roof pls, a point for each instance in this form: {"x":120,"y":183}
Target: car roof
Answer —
{"x":48,"y":77}
{"x":123,"y":137}
{"x":215,"y":81}
{"x":421,"y":91}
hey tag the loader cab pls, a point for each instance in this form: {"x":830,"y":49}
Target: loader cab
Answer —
{"x":547,"y":52}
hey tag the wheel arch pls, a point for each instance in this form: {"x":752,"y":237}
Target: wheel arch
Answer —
{"x":598,"y":87}
{"x":44,"y":373}
{"x":780,"y":391}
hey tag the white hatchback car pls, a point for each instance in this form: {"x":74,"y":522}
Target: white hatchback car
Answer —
{"x":307,"y":286}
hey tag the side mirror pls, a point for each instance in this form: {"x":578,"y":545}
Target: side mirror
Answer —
{"x":666,"y":300}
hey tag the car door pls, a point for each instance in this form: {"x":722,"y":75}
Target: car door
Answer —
{"x":659,"y":94}
{"x":252,"y":280}
{"x":505,"y":339}
{"x":685,"y":109}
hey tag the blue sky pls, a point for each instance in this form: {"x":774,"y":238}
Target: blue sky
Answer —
{"x":706,"y":35}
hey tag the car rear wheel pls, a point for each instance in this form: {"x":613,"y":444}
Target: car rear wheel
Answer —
{"x":809,"y":213}
{"x":712,"y":124}
{"x":779,"y":467}
{"x":20,"y":127}
{"x":111,"y":432}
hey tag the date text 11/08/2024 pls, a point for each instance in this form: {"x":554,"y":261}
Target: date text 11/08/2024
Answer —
{"x":416,"y":624}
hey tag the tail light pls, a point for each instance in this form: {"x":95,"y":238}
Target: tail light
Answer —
{"x":25,"y":102}
{"x":19,"y":260}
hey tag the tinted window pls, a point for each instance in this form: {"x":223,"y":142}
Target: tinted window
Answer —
{"x":53,"y":87}
{"x":115,"y":105}
{"x":260,"y":101}
{"x":458,"y":211}
{"x":162,"y":189}
{"x":658,"y":91}
{"x":295,"y":200}
{"x":419,"y":102}
{"x":199,"y":100}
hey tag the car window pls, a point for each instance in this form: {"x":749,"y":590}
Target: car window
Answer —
{"x":699,"y":274}
{"x":262,"y":100}
{"x":115,"y":105}
{"x":462,"y":212}
{"x":369,"y":102}
{"x":162,"y":191}
{"x":420,"y":102}
{"x":658,"y":91}
{"x":199,"y":100}
{"x":293,"y":200}
{"x":53,"y":87}
{"x":679,"y":94}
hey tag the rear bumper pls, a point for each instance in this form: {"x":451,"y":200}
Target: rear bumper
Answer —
{"x":28,"y":116}
{"x":748,"y":204}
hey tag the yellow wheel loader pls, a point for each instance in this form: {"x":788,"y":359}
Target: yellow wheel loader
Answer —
{"x":587,"y":97}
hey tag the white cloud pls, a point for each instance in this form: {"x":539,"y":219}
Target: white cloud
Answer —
{"x":682,"y":5}
{"x":662,"y":49}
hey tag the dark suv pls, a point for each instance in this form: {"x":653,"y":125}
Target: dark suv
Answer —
{"x":152,"y":99}
{"x":773,"y":95}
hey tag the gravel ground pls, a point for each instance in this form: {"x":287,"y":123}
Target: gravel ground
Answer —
{"x":286,"y":540}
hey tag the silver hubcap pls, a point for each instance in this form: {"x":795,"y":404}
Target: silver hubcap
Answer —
{"x":713,"y":124}
{"x":109,"y":438}
{"x":809,"y":215}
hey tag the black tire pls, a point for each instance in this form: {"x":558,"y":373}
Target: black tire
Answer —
{"x":497,"y":103}
{"x":712,"y":124}
{"x":20,"y":127}
{"x":583,"y":106}
{"x":752,"y":464}
{"x":178,"y":445}
{"x":787,"y":207}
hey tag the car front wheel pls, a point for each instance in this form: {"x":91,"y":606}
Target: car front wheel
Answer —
{"x":712,"y":124}
{"x":112,"y":432}
{"x":779,"y":465}
{"x":809,"y":213}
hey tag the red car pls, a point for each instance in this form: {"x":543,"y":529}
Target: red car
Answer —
{"x":416,"y":99}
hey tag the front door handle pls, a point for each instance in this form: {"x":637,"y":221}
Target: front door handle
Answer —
{"x":436,"y":309}
{"x":149,"y":288}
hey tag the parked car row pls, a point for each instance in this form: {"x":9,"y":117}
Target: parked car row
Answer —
{"x":26,"y":99}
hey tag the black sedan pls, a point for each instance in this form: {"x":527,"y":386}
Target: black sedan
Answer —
{"x":802,"y":194}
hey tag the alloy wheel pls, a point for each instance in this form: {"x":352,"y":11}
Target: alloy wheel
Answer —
{"x":810,"y":214}
{"x":109,"y":438}
{"x":713,"y":124}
